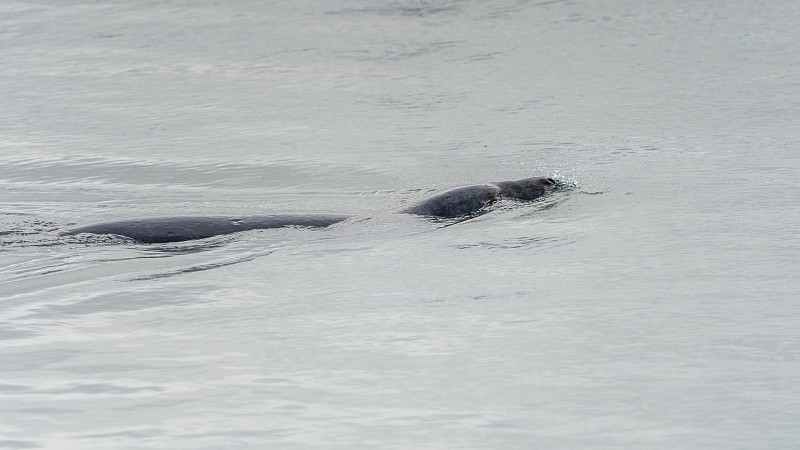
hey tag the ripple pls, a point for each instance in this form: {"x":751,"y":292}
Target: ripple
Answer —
{"x":404,"y":9}
{"x":66,"y":180}
{"x":518,"y":242}
{"x":398,"y":51}
{"x":116,"y":171}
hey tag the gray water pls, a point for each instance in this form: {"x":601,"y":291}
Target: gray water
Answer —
{"x":652,"y":304}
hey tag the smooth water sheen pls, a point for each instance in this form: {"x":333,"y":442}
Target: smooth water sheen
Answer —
{"x":651,"y":304}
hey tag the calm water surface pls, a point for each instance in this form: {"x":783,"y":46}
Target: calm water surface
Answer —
{"x":653,"y":304}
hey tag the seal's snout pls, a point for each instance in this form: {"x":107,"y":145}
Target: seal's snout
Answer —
{"x":551,"y":181}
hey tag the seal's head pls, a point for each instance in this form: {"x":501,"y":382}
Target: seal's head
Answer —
{"x":527,"y":188}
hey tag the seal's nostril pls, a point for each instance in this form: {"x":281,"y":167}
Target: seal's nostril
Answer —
{"x":552,"y":181}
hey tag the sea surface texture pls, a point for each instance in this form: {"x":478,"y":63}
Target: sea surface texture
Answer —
{"x":653,"y":301}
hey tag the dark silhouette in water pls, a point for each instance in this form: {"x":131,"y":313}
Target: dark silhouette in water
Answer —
{"x":453,"y":203}
{"x":153,"y":230}
{"x":469,"y":199}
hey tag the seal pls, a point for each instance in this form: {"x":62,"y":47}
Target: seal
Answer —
{"x":155,"y":230}
{"x":456,"y":202}
{"x":470,"y":199}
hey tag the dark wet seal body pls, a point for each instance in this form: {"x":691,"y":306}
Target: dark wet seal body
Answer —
{"x":152,"y":230}
{"x":469,"y":199}
{"x":453,"y":203}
